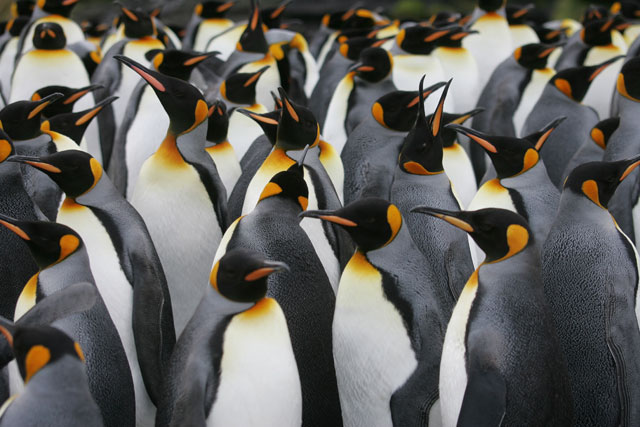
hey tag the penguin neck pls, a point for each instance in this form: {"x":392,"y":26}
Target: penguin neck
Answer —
{"x":438,"y":180}
{"x":67,"y":373}
{"x":577,"y":208}
{"x":168,"y":151}
{"x":222,"y":306}
{"x":72,"y":269}
{"x":103,"y":192}
{"x":534,"y":175}
{"x":280,"y":206}
{"x":628,"y":109}
{"x":525,"y":263}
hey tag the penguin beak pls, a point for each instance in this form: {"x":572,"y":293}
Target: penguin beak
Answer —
{"x":276,"y":101}
{"x":278,"y":10}
{"x":287,"y":105}
{"x":80,"y":93}
{"x":451,"y":217}
{"x":633,"y":163}
{"x":151,"y":77}
{"x":268,"y":267}
{"x":7,"y":329}
{"x":197,"y":59}
{"x":258,"y":117}
{"x":91,"y":113}
{"x":436,"y":119}
{"x":428,"y":91}
{"x":360,"y":67}
{"x":329,"y":216}
{"x":224,"y":6}
{"x":13,"y":225}
{"x":478,"y":137}
{"x":36,"y":162}
{"x":546,"y":132}
{"x":43,"y":103}
{"x":466,"y":116}
{"x":254,"y":78}
{"x":601,"y":67}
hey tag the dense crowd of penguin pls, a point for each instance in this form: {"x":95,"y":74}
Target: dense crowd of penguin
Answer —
{"x":380,"y":224}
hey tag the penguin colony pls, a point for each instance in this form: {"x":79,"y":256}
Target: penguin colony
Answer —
{"x":382,"y":224}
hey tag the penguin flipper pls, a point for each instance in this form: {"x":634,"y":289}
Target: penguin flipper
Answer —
{"x":411,"y":404}
{"x":485,"y":398}
{"x":213,"y":183}
{"x":69,"y":300}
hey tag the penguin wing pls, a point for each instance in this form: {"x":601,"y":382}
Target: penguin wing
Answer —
{"x":69,"y":300}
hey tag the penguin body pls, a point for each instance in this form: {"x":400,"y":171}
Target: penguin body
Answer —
{"x":8,"y":49}
{"x":219,"y":148}
{"x":236,"y":336}
{"x":595,"y":306}
{"x":207,"y":21}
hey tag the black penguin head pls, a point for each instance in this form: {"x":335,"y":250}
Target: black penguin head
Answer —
{"x":182,"y":101}
{"x":66,"y":102}
{"x":628,"y":9}
{"x":252,"y":38}
{"x":297,"y":126}
{"x":374,"y":65}
{"x":574,"y":82}
{"x":510,"y":156}
{"x":73,"y":125}
{"x":267,"y":121}
{"x":419,"y":39}
{"x":15,"y":26}
{"x":21,"y":120}
{"x":137,"y":23}
{"x":594,"y":13}
{"x":75,"y":171}
{"x":49,"y":242}
{"x":94,"y":29}
{"x":454,"y":36}
{"x":22,"y":8}
{"x":218,"y":124}
{"x":358,"y":18}
{"x":212,"y":9}
{"x":518,"y":15}
{"x":421,"y":152}
{"x":603,"y":130}
{"x":551,"y":35}
{"x":444,"y":18}
{"x":6,"y":147}
{"x":397,"y":110}
{"x":272,"y":16}
{"x":628,"y":84}
{"x":241,"y":275}
{"x":49,"y":36}
{"x":240,"y":88}
{"x":491,"y":5}
{"x":57,"y":7}
{"x":37,"y":347}
{"x":533,"y":56}
{"x":449,"y":136}
{"x":597,"y":32}
{"x":371,"y":222}
{"x":290,"y":185}
{"x":500,"y":233}
{"x":599,"y":180}
{"x":176,"y":63}
{"x":353,"y":47}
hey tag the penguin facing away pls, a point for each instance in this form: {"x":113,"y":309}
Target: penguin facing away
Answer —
{"x":590,"y":274}
{"x":235,"y":347}
{"x":219,"y":148}
{"x":501,"y":359}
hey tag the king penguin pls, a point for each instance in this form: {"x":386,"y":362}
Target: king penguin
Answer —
{"x":388,"y":327}
{"x":179,"y":185}
{"x":593,"y":148}
{"x":70,"y":95}
{"x":219,"y":148}
{"x":501,"y":358}
{"x":8,"y":50}
{"x":590,"y":274}
{"x":420,"y":179}
{"x":207,"y":21}
{"x":235,"y":349}
{"x":62,"y":260}
{"x":304,"y":292}
{"x":124,"y":263}
{"x":519,"y":28}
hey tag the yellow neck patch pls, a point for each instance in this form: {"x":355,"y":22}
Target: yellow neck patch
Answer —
{"x":37,"y":358}
{"x":530,"y":160}
{"x":394,"y":218}
{"x":68,"y":244}
{"x":598,"y":137}
{"x":76,"y":345}
{"x":260,"y":309}
{"x":168,"y":152}
{"x":271,"y":189}
{"x":213,"y":277}
{"x":378,"y":113}
{"x":590,"y":189}
{"x":563,"y":86}
{"x":96,"y":171}
{"x":517,"y":239}
{"x":416,"y":168}
{"x":27,"y":298}
{"x":201,"y":114}
{"x":622,"y":88}
{"x":5,"y":150}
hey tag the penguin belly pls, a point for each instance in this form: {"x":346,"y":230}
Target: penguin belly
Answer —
{"x":459,"y":169}
{"x":224,"y":156}
{"x":207,"y":29}
{"x":491,"y":46}
{"x":243,"y":131}
{"x":332,"y":163}
{"x":39,"y":68}
{"x":530,"y":96}
{"x":409,"y":69}
{"x":143,"y":135}
{"x":269,"y":80}
{"x":72,"y":31}
{"x":603,"y":86}
{"x":184,"y":228}
{"x":334,"y":129}
{"x":521,"y":35}
{"x":326,"y":47}
{"x":371,"y":347}
{"x":6,"y":65}
{"x":460,"y":65}
{"x":226,"y":43}
{"x":257,"y":366}
{"x":116,"y":291}
{"x":453,"y":371}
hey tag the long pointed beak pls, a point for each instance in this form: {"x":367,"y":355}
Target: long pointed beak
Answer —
{"x":256,"y":75}
{"x":13,"y":225}
{"x":36,"y":162}
{"x":268,"y":267}
{"x":546,"y":132}
{"x":43,"y":103}
{"x":603,"y":65}
{"x":466,"y":116}
{"x":258,"y":117}
{"x":436,"y":119}
{"x":633,"y":163}
{"x":476,"y":136}
{"x":92,"y":112}
{"x":151,"y":77}
{"x":287,"y":105}
{"x":329,"y":216}
{"x":451,"y":217}
{"x":80,"y":93}
{"x":428,"y":91}
{"x":199,"y":58}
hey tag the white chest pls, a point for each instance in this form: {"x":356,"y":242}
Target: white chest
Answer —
{"x":409,"y":69}
{"x":224,"y":156}
{"x":458,"y":168}
{"x":599,"y":93}
{"x":334,"y":130}
{"x":6,"y":65}
{"x":459,"y":64}
{"x":226,"y":43}
{"x":530,"y":96}
{"x":243,"y":131}
{"x":208,"y":29}
{"x":269,"y":80}
{"x":259,"y":383}
{"x":371,"y":348}
{"x":521,"y":35}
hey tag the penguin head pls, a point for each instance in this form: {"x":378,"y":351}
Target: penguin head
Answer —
{"x":182,"y":101}
{"x":218,"y":124}
{"x":57,"y":7}
{"x":419,"y":39}
{"x":241,"y":275}
{"x":449,"y":136}
{"x":267,"y":121}
{"x":75,"y":171}
{"x":444,"y":18}
{"x":628,"y":84}
{"x":421,"y":152}
{"x":597,"y":32}
{"x":176,"y":63}
{"x":15,"y":26}
{"x":49,"y":242}
{"x":272,"y":16}
{"x":374,"y":64}
{"x":628,"y":9}
{"x":333,"y":20}
{"x":297,"y":126}
{"x":397,"y":110}
{"x":491,"y":5}
{"x":533,"y":56}
{"x":454,"y":36}
{"x":518,"y":15}
{"x":22,"y":8}
{"x":21,"y":120}
{"x":252,"y":38}
{"x":510,"y":156}
{"x":6,"y":147}
{"x":500,"y":233}
{"x":49,"y":36}
{"x":289,"y":185}
{"x":211,"y":9}
{"x":358,"y":18}
{"x":94,"y":29}
{"x":137,"y":23}
{"x":36,"y":347}
{"x":352,"y":48}
{"x":598,"y":180}
{"x":574,"y":82}
{"x":603,"y":130}
{"x":66,"y":102}
{"x":594,"y":13}
{"x":371,"y":222}
{"x":73,"y":125}
{"x":240,"y":88}
{"x":551,"y":35}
